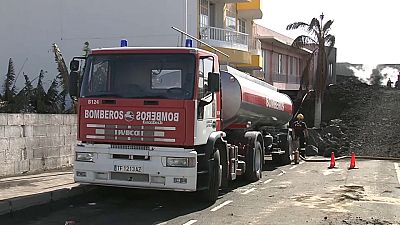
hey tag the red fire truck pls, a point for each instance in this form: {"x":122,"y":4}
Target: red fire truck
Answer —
{"x":172,"y":119}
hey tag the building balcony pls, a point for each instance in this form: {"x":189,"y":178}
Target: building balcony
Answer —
{"x":224,"y":38}
{"x":256,"y":58}
{"x":255,"y":63}
{"x":251,"y":10}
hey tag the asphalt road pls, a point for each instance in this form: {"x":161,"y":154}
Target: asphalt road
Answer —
{"x":308,"y":193}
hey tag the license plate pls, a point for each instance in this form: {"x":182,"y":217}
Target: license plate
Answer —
{"x":130,"y":169}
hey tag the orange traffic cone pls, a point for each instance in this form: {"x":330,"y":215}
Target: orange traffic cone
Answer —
{"x":353,"y":161}
{"x":332,"y":165}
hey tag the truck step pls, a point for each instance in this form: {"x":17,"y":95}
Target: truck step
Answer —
{"x":279,"y":152}
{"x":241,"y":167}
{"x":202,"y":172}
{"x":239,"y":172}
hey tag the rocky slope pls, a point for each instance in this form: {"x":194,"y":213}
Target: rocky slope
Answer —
{"x":360,"y":118}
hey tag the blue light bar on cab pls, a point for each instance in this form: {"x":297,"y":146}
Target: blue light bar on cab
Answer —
{"x":189,"y":43}
{"x":124,"y":43}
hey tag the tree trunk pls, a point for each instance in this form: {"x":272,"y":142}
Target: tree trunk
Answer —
{"x":317,"y":110}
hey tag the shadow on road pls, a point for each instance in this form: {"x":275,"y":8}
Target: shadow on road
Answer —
{"x":108,"y":205}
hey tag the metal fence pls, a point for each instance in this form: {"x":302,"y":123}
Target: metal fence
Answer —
{"x":225,"y":35}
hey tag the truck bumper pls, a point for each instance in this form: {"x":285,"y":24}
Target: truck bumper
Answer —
{"x":136,"y":168}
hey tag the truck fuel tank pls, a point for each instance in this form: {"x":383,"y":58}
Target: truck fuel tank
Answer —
{"x":248,"y":100}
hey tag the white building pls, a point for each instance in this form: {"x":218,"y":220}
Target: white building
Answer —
{"x":28,"y":29}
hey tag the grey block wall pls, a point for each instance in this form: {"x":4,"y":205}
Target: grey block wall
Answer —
{"x":35,"y":142}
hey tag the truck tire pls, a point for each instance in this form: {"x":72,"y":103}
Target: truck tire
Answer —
{"x":254,"y":163}
{"x":214,"y":179}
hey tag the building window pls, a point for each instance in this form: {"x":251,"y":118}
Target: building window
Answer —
{"x":230,"y":18}
{"x":293,"y":66}
{"x":204,"y":13}
{"x":242,"y":25}
{"x":300,"y":67}
{"x":280,"y":64}
{"x":265,"y":64}
{"x":274,"y":64}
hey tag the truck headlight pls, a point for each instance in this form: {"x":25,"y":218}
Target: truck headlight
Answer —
{"x":181,"y":162}
{"x":84,"y":156}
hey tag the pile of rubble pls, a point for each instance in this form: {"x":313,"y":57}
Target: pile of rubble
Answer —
{"x":360,"y":118}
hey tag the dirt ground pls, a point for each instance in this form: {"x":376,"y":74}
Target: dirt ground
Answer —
{"x":359,"y":118}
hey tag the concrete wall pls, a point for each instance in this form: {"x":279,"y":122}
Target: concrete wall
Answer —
{"x":35,"y":142}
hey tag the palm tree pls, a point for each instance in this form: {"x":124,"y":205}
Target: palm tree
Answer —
{"x":9,"y":90}
{"x":52,"y":98}
{"x":40,"y":95}
{"x":62,"y":68}
{"x":321,"y":42}
{"x":25,"y":97}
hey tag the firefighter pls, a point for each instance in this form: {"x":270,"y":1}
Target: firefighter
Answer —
{"x":389,"y":83}
{"x":300,"y":133}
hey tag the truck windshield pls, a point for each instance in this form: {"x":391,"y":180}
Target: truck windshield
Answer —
{"x":166,"y":76}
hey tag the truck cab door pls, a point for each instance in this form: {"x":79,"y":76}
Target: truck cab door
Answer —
{"x":206,"y":114}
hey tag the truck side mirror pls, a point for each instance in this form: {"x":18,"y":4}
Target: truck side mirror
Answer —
{"x":213,"y":82}
{"x":74,"y":65}
{"x":73,"y":84}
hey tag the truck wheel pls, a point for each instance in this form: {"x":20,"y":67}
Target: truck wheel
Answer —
{"x":254,"y":164}
{"x":214,"y":179}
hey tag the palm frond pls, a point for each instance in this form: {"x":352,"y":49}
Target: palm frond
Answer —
{"x":302,"y":41}
{"x":314,"y":26}
{"x":327,"y":26}
{"x":61,"y":101}
{"x":61,"y":66}
{"x":330,"y":40}
{"x":28,"y":83}
{"x":52,"y":93}
{"x":296,"y":25}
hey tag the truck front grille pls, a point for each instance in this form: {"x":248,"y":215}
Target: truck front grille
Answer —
{"x":134,"y":177}
{"x":131,"y":157}
{"x":137,"y":147}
